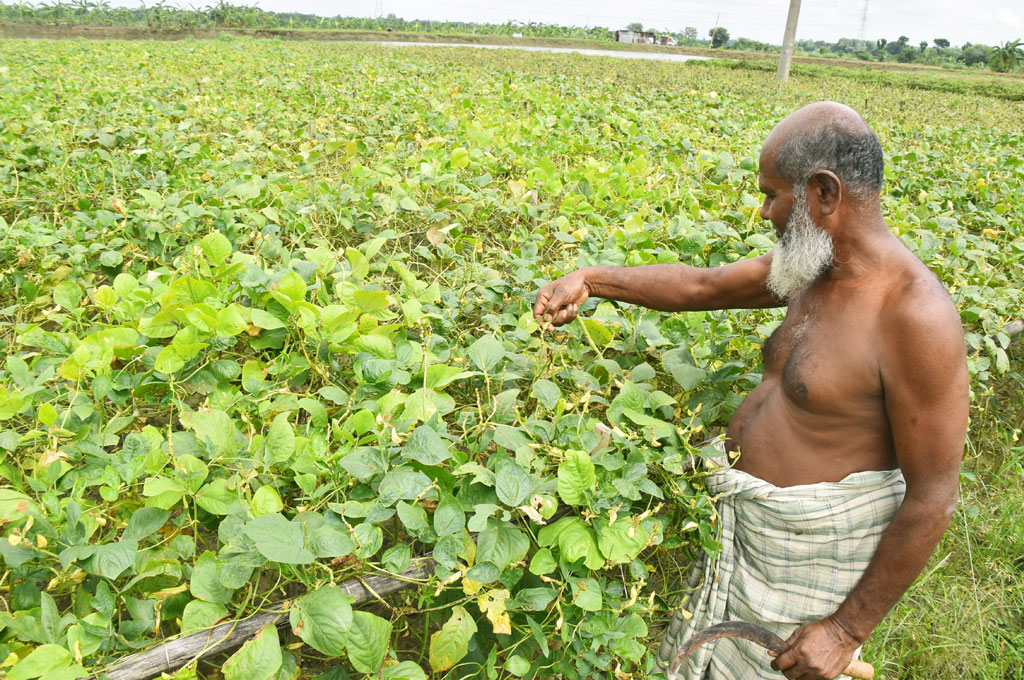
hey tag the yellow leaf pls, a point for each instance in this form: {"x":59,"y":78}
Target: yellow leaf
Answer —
{"x":492,"y":605}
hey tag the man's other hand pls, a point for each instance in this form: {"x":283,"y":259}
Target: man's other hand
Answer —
{"x":819,"y":650}
{"x":559,"y":302}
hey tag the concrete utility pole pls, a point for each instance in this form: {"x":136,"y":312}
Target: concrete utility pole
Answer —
{"x":787,"y":41}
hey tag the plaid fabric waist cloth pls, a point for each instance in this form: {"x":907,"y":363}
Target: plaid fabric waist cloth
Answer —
{"x":790,"y":555}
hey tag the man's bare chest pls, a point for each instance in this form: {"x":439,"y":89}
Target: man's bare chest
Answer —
{"x":825,"y":360}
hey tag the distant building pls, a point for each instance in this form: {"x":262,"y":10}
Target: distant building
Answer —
{"x":667,"y":39}
{"x":629,"y":36}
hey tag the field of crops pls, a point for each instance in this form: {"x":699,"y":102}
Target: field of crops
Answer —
{"x":265,"y":320}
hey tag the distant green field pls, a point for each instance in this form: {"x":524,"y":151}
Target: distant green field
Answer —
{"x":265,"y":314}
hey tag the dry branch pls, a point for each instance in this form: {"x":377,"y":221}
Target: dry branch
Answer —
{"x":174,"y":654}
{"x":1014,"y":328}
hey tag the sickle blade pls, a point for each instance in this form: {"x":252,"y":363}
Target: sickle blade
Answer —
{"x":731,"y":629}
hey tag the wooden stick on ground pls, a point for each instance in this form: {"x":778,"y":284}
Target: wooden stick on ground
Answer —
{"x":174,"y":654}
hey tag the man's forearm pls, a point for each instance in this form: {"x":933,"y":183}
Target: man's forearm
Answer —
{"x":902,"y":553}
{"x":679,"y":287}
{"x":665,"y":287}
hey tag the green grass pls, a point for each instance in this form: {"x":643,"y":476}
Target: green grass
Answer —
{"x":964,"y":618}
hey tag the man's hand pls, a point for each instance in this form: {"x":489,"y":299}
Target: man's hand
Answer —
{"x":819,"y":650}
{"x":559,"y":302}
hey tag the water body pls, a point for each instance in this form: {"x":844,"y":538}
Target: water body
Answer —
{"x":655,"y":56}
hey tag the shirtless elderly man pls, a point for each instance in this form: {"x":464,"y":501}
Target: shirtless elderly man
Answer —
{"x":850,"y":447}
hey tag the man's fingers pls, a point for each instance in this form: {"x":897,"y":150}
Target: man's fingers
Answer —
{"x":540,"y":307}
{"x":784,"y":661}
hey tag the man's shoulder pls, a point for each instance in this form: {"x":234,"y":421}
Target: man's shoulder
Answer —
{"x":919,"y":313}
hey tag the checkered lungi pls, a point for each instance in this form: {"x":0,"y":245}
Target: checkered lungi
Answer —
{"x":789,"y":556}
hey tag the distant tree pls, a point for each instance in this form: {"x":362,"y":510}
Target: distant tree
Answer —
{"x":719,"y":36}
{"x":1006,"y":57}
{"x":906,"y":55}
{"x":636,"y":26}
{"x":941,"y":43}
{"x":924,"y":45}
{"x":972,"y":55}
{"x":881,"y":42}
{"x":690,"y":33}
{"x":863,"y":55}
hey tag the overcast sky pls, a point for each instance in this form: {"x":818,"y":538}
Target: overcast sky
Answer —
{"x":959,"y":21}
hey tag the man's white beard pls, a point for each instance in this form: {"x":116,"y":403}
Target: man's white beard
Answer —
{"x":801,"y":255}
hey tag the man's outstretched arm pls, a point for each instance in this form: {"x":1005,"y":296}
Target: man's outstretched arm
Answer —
{"x":926,"y":385}
{"x":665,"y":287}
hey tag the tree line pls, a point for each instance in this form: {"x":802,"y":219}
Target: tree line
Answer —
{"x":1008,"y":56}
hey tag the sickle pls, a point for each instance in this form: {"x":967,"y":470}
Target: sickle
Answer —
{"x":759,"y":636}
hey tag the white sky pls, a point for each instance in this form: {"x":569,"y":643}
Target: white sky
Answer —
{"x":959,"y":21}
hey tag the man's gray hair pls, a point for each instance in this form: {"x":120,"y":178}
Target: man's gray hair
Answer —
{"x":851,"y":151}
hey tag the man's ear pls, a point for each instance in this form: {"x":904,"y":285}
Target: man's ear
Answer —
{"x":826,"y":189}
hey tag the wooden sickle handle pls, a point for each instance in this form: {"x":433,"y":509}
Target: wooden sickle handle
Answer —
{"x":860,"y":670}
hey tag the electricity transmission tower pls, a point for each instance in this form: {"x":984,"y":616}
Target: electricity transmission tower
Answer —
{"x":863,"y":25}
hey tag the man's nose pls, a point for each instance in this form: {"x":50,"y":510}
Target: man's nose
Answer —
{"x":764,"y":210}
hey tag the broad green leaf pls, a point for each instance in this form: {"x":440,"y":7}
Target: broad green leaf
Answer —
{"x":293,"y":286}
{"x":397,"y":558}
{"x":169,"y":361}
{"x":162,"y":492}
{"x":586,"y":594}
{"x":542,"y":562}
{"x":536,"y":599}
{"x":279,"y":540}
{"x":370,"y":301}
{"x":402,"y":483}
{"x":517,"y":665}
{"x":200,"y":615}
{"x":449,"y":517}
{"x":598,"y":332}
{"x":265,"y":320}
{"x":575,"y":541}
{"x":215,"y":428}
{"x":321,"y":618}
{"x":216,"y":247}
{"x":459,"y":159}
{"x":501,"y":543}
{"x":144,"y":522}
{"x":685,"y":373}
{"x":215,"y":497}
{"x":547,"y":393}
{"x":204,"y":583}
{"x":266,"y":500}
{"x":47,"y":414}
{"x":426,"y":446}
{"x":413,"y":516}
{"x":404,"y":670}
{"x":450,"y":644}
{"x":576,"y":477}
{"x":280,"y":440}
{"x":486,"y":352}
{"x":622,"y":541}
{"x":110,"y":560}
{"x":246,"y":190}
{"x":512,"y":483}
{"x":439,"y":375}
{"x":367,"y":641}
{"x":258,"y":659}
{"x":41,"y":662}
{"x":68,"y":295}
